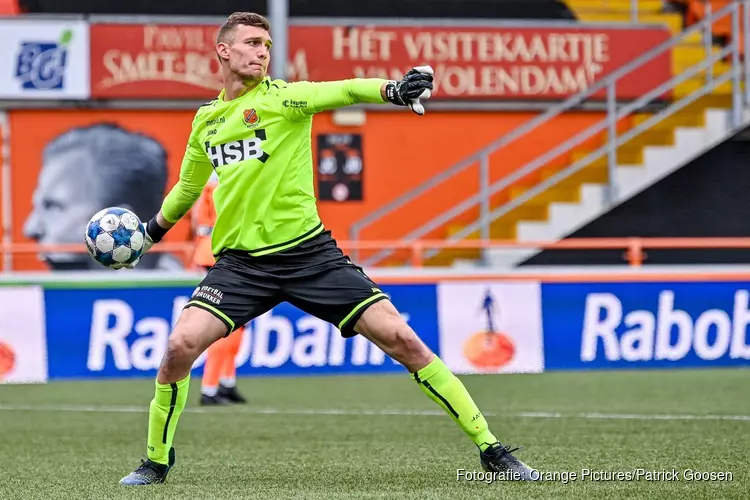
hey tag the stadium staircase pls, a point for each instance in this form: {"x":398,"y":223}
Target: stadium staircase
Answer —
{"x":553,"y":198}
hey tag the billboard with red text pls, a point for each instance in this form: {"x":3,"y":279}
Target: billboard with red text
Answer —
{"x":470,"y":62}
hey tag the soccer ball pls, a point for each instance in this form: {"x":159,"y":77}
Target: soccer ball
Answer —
{"x":114,"y":236}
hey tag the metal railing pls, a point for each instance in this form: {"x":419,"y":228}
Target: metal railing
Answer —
{"x":614,"y":114}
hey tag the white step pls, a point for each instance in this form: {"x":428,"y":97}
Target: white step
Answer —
{"x":717,"y":121}
{"x":464,"y":263}
{"x":593,"y":197}
{"x":628,"y":176}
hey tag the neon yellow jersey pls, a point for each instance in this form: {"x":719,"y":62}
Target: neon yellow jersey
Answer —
{"x":260,"y":146}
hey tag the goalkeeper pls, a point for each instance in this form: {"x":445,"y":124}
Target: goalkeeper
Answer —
{"x":270,"y":244}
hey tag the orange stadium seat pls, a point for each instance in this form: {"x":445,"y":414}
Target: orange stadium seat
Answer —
{"x":9,"y":8}
{"x":722,"y":28}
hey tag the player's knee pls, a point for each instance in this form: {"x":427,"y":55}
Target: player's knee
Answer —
{"x":196,"y":329}
{"x":382,"y":324}
{"x":406,"y":346}
{"x":182,"y":348}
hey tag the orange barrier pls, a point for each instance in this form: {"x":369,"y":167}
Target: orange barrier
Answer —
{"x":634,"y":248}
{"x":9,"y":8}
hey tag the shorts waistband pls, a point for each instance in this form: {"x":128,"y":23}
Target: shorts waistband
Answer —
{"x":279,"y":247}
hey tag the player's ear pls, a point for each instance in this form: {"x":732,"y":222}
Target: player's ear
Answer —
{"x":222,"y":51}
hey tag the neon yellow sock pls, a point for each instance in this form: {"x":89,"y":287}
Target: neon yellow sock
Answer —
{"x":166,"y":408}
{"x":440,"y":385}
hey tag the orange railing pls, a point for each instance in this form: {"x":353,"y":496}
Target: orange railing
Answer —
{"x":634,"y":248}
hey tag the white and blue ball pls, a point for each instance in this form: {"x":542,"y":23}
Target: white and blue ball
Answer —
{"x":115,"y":236}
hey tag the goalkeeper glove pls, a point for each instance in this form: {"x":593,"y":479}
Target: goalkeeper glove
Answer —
{"x":415,"y":85}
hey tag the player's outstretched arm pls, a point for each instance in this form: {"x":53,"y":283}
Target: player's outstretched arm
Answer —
{"x":303,"y":99}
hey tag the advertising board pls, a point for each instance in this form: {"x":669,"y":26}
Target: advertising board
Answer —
{"x":470,"y":62}
{"x":44,"y":59}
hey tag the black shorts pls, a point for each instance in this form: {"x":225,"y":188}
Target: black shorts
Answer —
{"x":315,"y":276}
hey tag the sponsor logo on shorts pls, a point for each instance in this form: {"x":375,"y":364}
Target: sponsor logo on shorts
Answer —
{"x":209,"y":293}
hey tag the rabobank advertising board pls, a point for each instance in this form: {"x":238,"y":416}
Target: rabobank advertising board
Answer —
{"x":645,"y":325}
{"x":123,"y":332}
{"x":476,"y":326}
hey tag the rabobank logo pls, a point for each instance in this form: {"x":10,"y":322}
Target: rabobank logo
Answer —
{"x":646,"y":325}
{"x":41,"y":64}
{"x":282,"y":340}
{"x":488,"y":327}
{"x":666,"y":333}
{"x":124,"y":332}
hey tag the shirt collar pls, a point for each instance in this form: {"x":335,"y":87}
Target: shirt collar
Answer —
{"x":265,"y":82}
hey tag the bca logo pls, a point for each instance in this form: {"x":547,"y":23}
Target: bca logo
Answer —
{"x":41,"y":65}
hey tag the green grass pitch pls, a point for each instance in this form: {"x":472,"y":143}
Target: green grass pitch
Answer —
{"x":366,"y":437}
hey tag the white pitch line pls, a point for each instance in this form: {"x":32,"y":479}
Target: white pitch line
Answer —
{"x":234,"y":409}
{"x":333,"y":411}
{"x":629,"y":416}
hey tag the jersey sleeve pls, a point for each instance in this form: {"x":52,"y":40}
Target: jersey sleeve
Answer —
{"x":300,"y":100}
{"x":195,"y":171}
{"x":194,"y":151}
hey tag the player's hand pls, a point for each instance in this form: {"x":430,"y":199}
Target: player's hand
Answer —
{"x":414,"y":86}
{"x":148,"y":242}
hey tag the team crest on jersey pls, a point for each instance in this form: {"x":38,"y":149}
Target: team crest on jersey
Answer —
{"x":250,"y":117}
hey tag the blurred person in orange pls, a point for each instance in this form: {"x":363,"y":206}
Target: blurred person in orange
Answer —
{"x":219,"y":382}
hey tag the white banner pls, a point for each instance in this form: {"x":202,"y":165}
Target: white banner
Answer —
{"x":491,"y":327}
{"x":44,"y":59}
{"x":23,"y":340}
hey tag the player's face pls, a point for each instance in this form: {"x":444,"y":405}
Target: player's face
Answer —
{"x":249,"y":53}
{"x":63,"y":203}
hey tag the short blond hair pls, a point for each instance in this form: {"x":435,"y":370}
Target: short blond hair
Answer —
{"x":226,"y":32}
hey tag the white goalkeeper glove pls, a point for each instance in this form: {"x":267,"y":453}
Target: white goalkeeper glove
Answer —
{"x":414,"y":86}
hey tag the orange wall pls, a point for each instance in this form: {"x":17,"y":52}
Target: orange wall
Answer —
{"x":401,"y":150}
